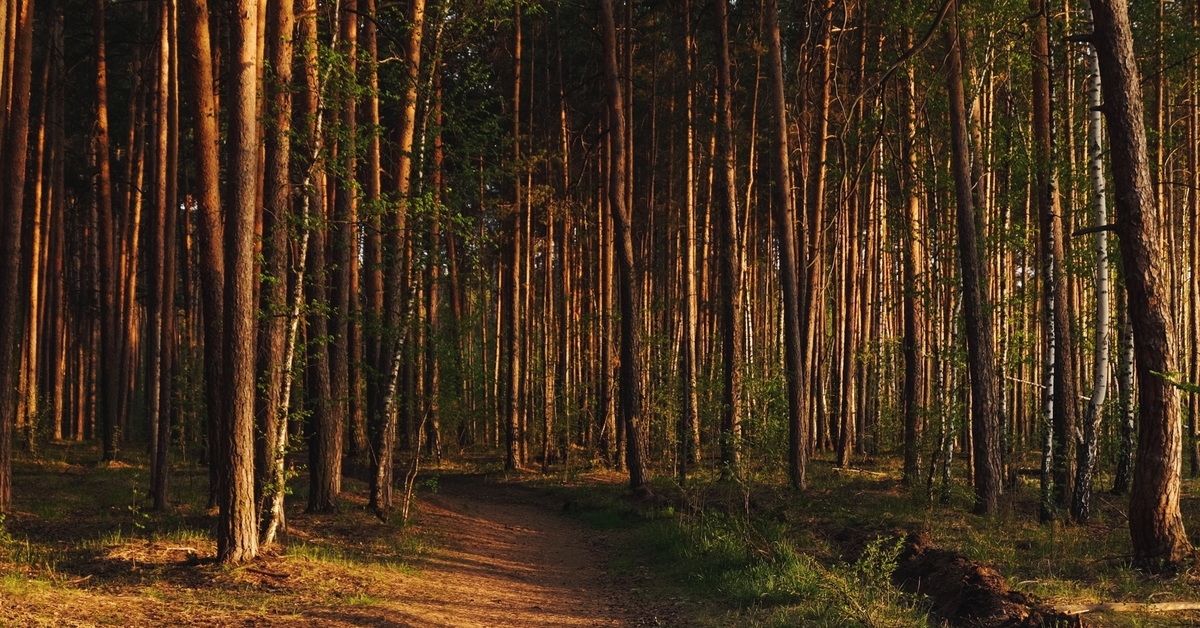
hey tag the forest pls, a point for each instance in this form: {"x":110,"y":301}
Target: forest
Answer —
{"x":750,"y":312}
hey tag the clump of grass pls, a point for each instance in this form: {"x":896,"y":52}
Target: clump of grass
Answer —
{"x":359,"y":599}
{"x":745,"y":563}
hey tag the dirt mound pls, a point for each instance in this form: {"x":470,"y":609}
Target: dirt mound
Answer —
{"x":968,"y":594}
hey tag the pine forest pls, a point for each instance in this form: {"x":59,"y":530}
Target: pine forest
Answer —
{"x":600,"y":312}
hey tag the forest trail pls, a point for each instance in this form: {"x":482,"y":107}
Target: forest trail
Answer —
{"x":506,"y":558}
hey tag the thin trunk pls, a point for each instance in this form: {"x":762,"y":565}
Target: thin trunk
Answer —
{"x":731,"y":266}
{"x":789,"y":265}
{"x":981,"y":362}
{"x":13,"y":144}
{"x":1081,"y":504}
{"x":209,"y":223}
{"x":630,"y":394}
{"x":275,"y":327}
{"x":324,"y":431}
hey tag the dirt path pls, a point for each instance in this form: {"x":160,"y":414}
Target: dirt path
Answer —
{"x":506,"y":558}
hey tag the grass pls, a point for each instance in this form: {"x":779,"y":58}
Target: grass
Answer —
{"x":751,"y":553}
{"x":760,"y":554}
{"x":83,"y":543}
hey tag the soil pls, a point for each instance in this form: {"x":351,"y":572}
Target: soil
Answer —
{"x":966,"y":593}
{"x":506,"y":558}
{"x":491,"y":555}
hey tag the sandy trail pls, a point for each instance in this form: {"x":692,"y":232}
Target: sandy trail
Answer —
{"x":506,"y":558}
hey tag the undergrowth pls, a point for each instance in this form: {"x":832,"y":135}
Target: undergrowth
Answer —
{"x":742,"y":568}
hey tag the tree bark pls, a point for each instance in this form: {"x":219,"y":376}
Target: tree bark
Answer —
{"x":14,"y":138}
{"x":237,"y":534}
{"x":1064,"y":390}
{"x":324,"y":431}
{"x":1155,"y":522}
{"x":981,"y":361}
{"x":209,"y":223}
{"x":789,"y":266}
{"x":274,"y":295}
{"x":1081,"y":503}
{"x":731,"y":263}
{"x":630,"y":394}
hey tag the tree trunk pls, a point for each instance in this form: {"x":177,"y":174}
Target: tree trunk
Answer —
{"x":237,"y":535}
{"x":630,"y":394}
{"x":274,"y":297}
{"x":913,"y":254}
{"x":324,"y":431}
{"x":1081,"y":504}
{"x":395,"y":302}
{"x":731,"y":263}
{"x":789,"y":266}
{"x":1155,"y":522}
{"x":14,"y":138}
{"x":344,"y":235}
{"x":1064,"y":390}
{"x":981,"y":362}
{"x":209,"y":219}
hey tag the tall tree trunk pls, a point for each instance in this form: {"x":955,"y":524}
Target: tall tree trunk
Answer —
{"x":344,"y":235}
{"x":1081,"y":504}
{"x":731,"y":262}
{"x":395,"y":301}
{"x":981,"y":362}
{"x":1155,"y":522}
{"x":237,"y":534}
{"x":630,"y":394}
{"x":1064,"y":390}
{"x":689,"y":427}
{"x":513,"y":323}
{"x":274,"y":299}
{"x":913,"y":254}
{"x":789,"y":265}
{"x":110,"y":345}
{"x":169,"y":143}
{"x":324,"y":431}
{"x":373,"y":299}
{"x":209,"y":223}
{"x":14,"y":138}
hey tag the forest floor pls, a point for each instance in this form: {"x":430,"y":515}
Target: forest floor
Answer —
{"x":82,"y":550}
{"x":571,"y":548}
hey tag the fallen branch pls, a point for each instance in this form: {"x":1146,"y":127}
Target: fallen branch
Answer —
{"x":270,"y":574}
{"x":874,"y":474}
{"x":1127,"y":607}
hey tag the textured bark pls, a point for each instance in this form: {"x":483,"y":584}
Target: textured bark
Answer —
{"x":14,"y":140}
{"x":1155,"y":522}
{"x":688,"y":431}
{"x":732,"y":325}
{"x":324,"y":431}
{"x":273,"y":329}
{"x":985,"y":422}
{"x":784,"y":217}
{"x":630,"y":393}
{"x":237,"y":534}
{"x":395,"y":300}
{"x":373,"y":312}
{"x":343,"y":243}
{"x":209,"y":223}
{"x":513,"y":322}
{"x":1064,"y":389}
{"x":109,"y":341}
{"x":913,"y":255}
{"x":169,"y":144}
{"x":1081,"y":503}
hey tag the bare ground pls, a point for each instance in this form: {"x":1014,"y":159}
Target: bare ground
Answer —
{"x":492,"y":554}
{"x":507,"y":559}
